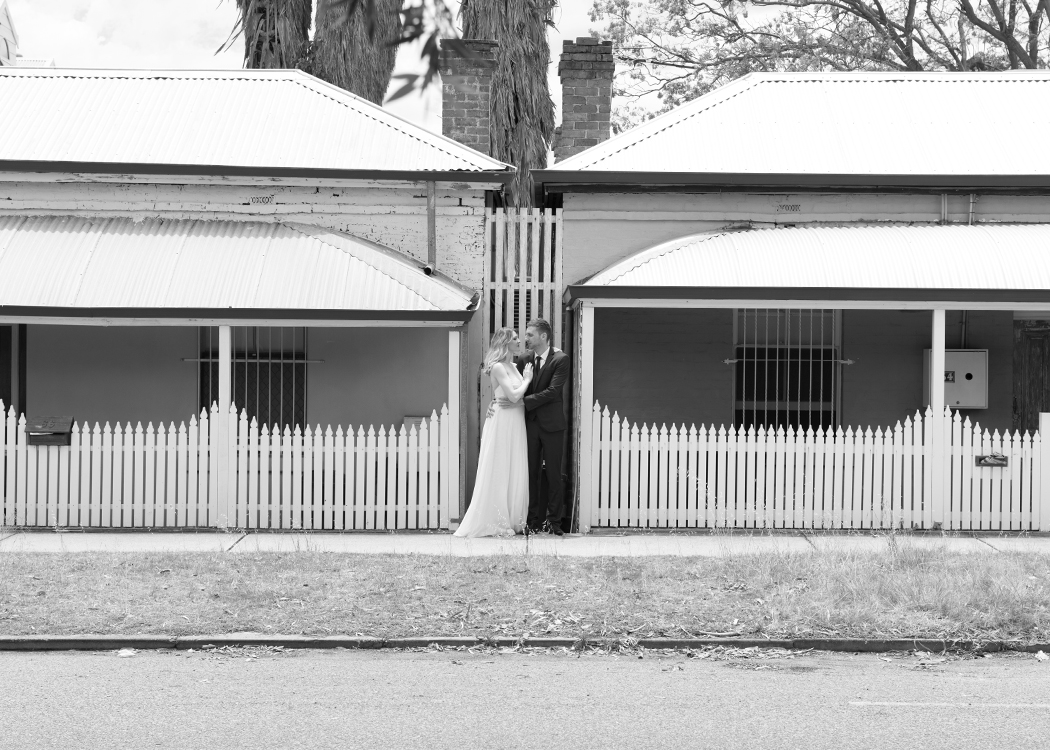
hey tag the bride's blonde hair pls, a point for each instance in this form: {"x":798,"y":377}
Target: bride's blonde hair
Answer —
{"x":498,"y":348}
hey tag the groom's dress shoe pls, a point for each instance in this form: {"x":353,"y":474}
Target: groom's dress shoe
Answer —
{"x":554,"y":529}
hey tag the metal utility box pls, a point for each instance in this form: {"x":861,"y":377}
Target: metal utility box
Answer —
{"x":965,"y":378}
{"x":49,"y":431}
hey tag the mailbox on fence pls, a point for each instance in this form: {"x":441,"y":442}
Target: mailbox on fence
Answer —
{"x":49,"y":430}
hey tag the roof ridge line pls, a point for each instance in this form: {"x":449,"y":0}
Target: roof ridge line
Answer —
{"x":698,"y":110}
{"x":310,"y":78}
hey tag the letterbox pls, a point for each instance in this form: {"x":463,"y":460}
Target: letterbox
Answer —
{"x":49,"y":430}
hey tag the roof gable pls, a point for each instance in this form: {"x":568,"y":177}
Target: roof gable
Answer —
{"x":841,"y":124}
{"x":216,"y":120}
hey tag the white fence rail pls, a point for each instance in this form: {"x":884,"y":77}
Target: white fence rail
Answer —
{"x":121,"y":477}
{"x":915,"y":475}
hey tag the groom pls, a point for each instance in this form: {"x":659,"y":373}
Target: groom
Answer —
{"x":545,"y":425}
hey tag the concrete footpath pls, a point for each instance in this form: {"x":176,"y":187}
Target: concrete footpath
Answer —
{"x":636,"y":544}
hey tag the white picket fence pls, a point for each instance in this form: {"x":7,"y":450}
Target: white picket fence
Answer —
{"x":913,"y":475}
{"x":124,"y":477}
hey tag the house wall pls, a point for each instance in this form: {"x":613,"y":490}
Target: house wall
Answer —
{"x":111,"y":374}
{"x":664,"y":366}
{"x":373,"y":376}
{"x":603,"y":228}
{"x":391,"y":214}
{"x":885,"y":382}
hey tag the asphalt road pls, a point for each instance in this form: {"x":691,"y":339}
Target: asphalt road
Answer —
{"x":345,"y":699}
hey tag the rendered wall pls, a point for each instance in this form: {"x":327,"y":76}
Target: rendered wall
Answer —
{"x":374,"y":376}
{"x":664,"y":366}
{"x":603,"y":228}
{"x":112,"y":374}
{"x":885,"y":383}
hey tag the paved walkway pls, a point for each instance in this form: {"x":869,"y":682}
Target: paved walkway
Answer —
{"x":591,"y":545}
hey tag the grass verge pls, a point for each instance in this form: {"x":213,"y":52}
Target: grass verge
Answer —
{"x":906,"y":592}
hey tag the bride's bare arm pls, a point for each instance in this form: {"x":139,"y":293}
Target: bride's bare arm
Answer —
{"x":512,"y":391}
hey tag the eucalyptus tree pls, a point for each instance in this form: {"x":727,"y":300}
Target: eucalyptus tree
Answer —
{"x":676,"y":50}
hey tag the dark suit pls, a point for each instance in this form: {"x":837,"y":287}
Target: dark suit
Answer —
{"x":545,"y":428}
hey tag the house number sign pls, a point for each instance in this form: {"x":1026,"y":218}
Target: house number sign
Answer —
{"x":262,"y":199}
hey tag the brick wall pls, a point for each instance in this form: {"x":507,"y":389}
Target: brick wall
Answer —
{"x":466,"y":94}
{"x":586,"y":70}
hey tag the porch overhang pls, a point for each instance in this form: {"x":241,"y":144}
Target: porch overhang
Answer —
{"x":159,"y":272}
{"x":1000,"y":267}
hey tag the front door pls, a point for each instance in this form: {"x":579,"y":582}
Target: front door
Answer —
{"x":1031,"y":372}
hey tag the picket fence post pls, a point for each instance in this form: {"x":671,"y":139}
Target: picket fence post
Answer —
{"x":1041,"y":485}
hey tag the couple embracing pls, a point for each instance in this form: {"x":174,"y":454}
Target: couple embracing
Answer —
{"x":523,"y":435}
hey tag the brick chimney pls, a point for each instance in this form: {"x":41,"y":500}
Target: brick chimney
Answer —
{"x":586,"y":71}
{"x":466,"y":94}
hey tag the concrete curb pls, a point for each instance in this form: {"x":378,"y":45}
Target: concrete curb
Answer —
{"x":153,"y":642}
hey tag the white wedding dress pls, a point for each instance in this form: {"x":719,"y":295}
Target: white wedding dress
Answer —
{"x":500,"y":503}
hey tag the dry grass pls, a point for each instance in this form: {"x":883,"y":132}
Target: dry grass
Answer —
{"x":908,"y":592}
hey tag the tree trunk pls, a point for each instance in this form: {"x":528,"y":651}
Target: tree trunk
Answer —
{"x":522,"y":117}
{"x":276,"y":32}
{"x":345,"y":56}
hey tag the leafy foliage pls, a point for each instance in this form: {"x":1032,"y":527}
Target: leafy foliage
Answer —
{"x":522,"y":117}
{"x":676,"y":50}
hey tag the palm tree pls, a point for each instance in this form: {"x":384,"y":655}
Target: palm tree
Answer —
{"x":356,"y":52}
{"x":354,"y":43}
{"x":276,"y":32}
{"x":522,"y":117}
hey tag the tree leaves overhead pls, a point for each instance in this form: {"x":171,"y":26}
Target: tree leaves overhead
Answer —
{"x":522,"y":115}
{"x":676,"y":50}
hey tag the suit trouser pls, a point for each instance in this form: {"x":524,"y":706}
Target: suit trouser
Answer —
{"x":545,"y":447}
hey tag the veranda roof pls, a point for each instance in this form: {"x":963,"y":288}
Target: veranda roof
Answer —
{"x":120,"y":268}
{"x":218,"y":122}
{"x":858,"y":262}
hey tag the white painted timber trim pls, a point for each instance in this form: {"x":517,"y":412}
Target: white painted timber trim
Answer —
{"x":939,"y":455}
{"x":159,"y":179}
{"x":264,"y":322}
{"x":453,"y":498}
{"x":584,"y":462}
{"x":813,"y":304}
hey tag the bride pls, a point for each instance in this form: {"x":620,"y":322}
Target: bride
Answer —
{"x":500,"y":502}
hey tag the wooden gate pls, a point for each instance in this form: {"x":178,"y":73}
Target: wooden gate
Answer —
{"x":523,"y":274}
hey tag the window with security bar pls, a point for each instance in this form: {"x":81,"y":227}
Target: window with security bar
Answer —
{"x":787,"y":368}
{"x":269,"y":373}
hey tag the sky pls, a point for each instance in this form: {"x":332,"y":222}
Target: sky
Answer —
{"x":165,"y":34}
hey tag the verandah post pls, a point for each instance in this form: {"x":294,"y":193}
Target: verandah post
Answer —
{"x":454,"y":500}
{"x":935,"y":514}
{"x":1041,"y":511}
{"x":221,"y":428}
{"x":584,"y":480}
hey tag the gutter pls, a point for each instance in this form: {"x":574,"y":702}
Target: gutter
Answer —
{"x":501,"y":177}
{"x":560,"y":181}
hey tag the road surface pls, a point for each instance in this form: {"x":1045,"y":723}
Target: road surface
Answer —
{"x":257,"y":699}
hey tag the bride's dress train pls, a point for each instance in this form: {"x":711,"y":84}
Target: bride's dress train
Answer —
{"x":500,"y":503}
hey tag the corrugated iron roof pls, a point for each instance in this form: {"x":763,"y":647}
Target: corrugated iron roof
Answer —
{"x":1006,"y":257}
{"x":66,"y":262}
{"x":841,"y":124}
{"x":262,"y":119}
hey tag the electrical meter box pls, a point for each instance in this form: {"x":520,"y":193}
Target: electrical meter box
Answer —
{"x":965,"y":378}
